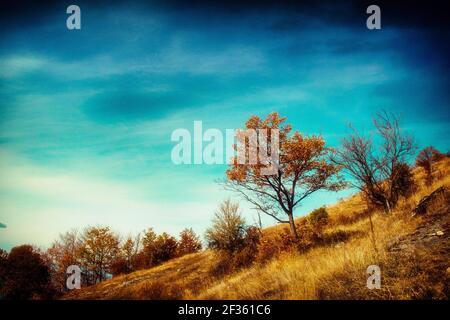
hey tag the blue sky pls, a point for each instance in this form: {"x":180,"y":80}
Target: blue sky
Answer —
{"x":86,"y":115}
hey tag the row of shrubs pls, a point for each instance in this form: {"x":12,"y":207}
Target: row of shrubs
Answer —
{"x":27,"y":272}
{"x":238,"y":245}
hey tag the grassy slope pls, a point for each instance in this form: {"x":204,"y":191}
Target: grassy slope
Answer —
{"x":336,"y":271}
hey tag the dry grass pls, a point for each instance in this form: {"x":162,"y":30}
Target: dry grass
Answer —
{"x":334,"y":269}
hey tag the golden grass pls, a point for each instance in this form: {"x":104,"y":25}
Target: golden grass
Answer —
{"x":332,"y":271}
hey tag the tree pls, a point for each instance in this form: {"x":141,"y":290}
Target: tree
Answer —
{"x":376,"y":171}
{"x":3,"y":266}
{"x":148,"y":250}
{"x":130,"y":250}
{"x":165,"y":248}
{"x":301,"y":169}
{"x":62,"y":254}
{"x":157,"y":249}
{"x":126,"y":260}
{"x":24,"y":274}
{"x":189,"y":242}
{"x":426,"y":159}
{"x":228,"y":229}
{"x":98,"y":250}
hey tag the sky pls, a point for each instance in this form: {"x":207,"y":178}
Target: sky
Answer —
{"x":86,"y":115}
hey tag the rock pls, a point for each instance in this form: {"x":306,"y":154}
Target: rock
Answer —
{"x":424,"y":203}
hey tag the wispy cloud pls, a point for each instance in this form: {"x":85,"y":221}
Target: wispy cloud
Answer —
{"x":171,"y":60}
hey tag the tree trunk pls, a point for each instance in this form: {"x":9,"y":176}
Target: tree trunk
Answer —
{"x":292,"y":226}
{"x":387,"y":207}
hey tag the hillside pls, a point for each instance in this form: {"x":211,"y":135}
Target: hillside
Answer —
{"x":412,"y":252}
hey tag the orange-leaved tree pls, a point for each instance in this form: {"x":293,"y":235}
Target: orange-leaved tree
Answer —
{"x":302,"y":168}
{"x":98,"y":250}
{"x":189,"y":242}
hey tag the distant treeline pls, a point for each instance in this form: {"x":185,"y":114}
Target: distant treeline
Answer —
{"x":27,"y":272}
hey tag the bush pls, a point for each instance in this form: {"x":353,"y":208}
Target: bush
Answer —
{"x":319,"y":217}
{"x":228,"y":230}
{"x":272,"y":245}
{"x":248,"y":251}
{"x":236,"y":243}
{"x":244,"y":256}
{"x":278,"y":242}
{"x":268,"y":248}
{"x":404,"y":185}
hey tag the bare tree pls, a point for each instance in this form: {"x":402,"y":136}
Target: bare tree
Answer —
{"x":377,"y":170}
{"x":426,"y":159}
{"x":228,"y":229}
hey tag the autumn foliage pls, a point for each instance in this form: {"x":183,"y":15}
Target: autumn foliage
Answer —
{"x":189,"y":242}
{"x":24,"y":274}
{"x":27,"y":273}
{"x":302,"y":169}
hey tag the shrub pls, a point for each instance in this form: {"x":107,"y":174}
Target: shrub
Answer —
{"x":228,"y":230}
{"x":404,"y":184}
{"x":311,"y":235}
{"x":318,"y":215}
{"x":272,"y":245}
{"x":276,"y":243}
{"x":248,"y":251}
{"x":318,"y":218}
{"x":236,"y":243}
